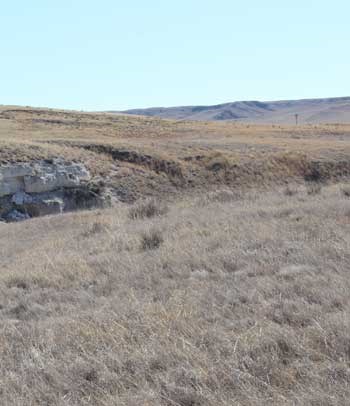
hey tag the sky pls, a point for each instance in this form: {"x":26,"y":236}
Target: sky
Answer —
{"x":115,"y":55}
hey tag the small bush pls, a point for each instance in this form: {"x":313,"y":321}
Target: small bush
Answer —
{"x":151,"y":240}
{"x":313,"y":174}
{"x":146,"y":209}
{"x":217,"y":162}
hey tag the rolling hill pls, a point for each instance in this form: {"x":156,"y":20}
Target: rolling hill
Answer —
{"x":310,"y":111}
{"x":219,"y":275}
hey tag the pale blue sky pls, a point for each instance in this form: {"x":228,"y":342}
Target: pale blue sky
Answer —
{"x":111,"y":54}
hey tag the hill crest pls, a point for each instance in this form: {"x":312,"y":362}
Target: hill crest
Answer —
{"x":310,"y":111}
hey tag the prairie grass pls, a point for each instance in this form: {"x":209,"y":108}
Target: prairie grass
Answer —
{"x":234,"y":292}
{"x":139,"y":157}
{"x":244,"y":302}
{"x":151,"y":239}
{"x":146,"y":209}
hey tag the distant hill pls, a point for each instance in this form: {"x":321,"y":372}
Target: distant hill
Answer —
{"x":328,"y":110}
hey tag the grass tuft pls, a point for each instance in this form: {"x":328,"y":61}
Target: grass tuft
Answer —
{"x":147,"y":209}
{"x":151,"y":240}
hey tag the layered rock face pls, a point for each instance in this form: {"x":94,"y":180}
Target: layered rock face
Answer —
{"x":45,"y":187}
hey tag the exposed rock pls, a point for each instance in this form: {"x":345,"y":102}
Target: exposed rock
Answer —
{"x":16,"y":215}
{"x":50,"y":177}
{"x":8,"y":186}
{"x":20,"y":198}
{"x":43,"y":206}
{"x":17,"y":170}
{"x":12,"y":178}
{"x":46,"y":187}
{"x":43,"y":176}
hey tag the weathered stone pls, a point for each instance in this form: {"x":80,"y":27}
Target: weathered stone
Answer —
{"x":9,"y":186}
{"x":44,"y":207}
{"x":16,"y":170}
{"x":6,"y":205}
{"x":41,"y":177}
{"x":49,"y":182}
{"x":20,"y":198}
{"x":54,"y":176}
{"x":47,"y":187}
{"x":16,"y":215}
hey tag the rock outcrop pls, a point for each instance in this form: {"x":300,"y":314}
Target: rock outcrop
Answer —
{"x":46,"y":187}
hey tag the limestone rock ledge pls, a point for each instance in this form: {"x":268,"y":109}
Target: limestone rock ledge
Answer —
{"x":46,"y":187}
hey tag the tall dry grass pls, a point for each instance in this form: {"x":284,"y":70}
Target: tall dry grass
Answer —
{"x":243,"y":301}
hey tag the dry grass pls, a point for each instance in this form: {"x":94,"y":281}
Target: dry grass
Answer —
{"x":144,"y":156}
{"x":151,"y":239}
{"x":244,"y":302}
{"x":236,"y":294}
{"x":314,"y":188}
{"x":147,"y":209}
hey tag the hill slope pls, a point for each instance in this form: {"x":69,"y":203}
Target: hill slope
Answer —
{"x":216,"y":301}
{"x":281,"y":112}
{"x":229,"y":286}
{"x":147,"y":156}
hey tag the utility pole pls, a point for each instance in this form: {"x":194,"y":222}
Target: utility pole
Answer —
{"x":296,"y":119}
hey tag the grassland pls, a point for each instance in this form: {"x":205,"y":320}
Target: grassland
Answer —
{"x":138,"y":156}
{"x":220,"y":300}
{"x":228,"y":285}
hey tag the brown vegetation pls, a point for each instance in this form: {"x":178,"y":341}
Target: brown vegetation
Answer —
{"x":141,"y":157}
{"x":239,"y":301}
{"x":234,"y":292}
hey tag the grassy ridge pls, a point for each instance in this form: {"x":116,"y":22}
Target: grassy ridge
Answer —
{"x":138,"y":156}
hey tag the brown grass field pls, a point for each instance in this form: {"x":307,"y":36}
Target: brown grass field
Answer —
{"x":220,"y":278}
{"x":138,"y":156}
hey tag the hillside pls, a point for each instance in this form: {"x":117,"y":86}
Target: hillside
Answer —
{"x":138,"y":156}
{"x":217,"y":300}
{"x":310,"y":111}
{"x":135,"y":157}
{"x":219,"y":275}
